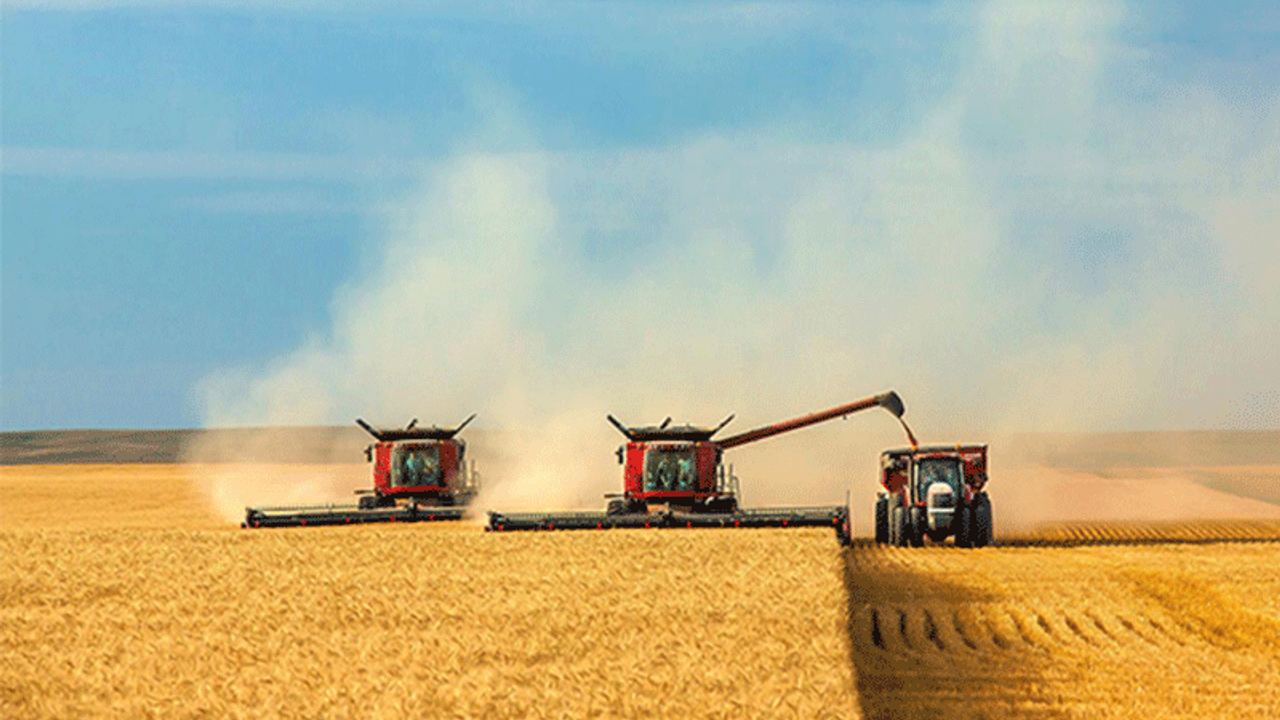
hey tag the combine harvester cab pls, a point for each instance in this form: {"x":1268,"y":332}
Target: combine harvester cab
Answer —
{"x":419,"y":475}
{"x":674,"y":477}
{"x":934,"y":492}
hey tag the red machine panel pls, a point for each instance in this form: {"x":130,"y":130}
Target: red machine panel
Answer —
{"x":633,"y":472}
{"x":382,"y":466}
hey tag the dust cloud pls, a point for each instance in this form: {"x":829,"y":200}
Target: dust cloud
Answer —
{"x":1041,"y":248}
{"x":235,"y":469}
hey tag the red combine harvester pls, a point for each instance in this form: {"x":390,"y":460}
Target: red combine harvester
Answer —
{"x":419,"y":474}
{"x":673,"y":478}
{"x":934,"y":492}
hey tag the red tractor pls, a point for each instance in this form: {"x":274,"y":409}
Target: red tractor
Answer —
{"x":673,"y":477}
{"x":934,"y":492}
{"x":419,"y":474}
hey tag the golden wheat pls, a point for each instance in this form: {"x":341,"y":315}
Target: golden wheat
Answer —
{"x":121,"y":595}
{"x":420,"y":621}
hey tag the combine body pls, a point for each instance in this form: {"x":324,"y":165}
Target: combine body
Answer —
{"x":424,"y":465}
{"x":674,"y":476}
{"x":934,"y":492}
{"x":419,"y":474}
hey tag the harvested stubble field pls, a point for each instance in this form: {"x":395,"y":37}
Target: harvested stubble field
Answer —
{"x":1123,"y":630}
{"x":128,"y":599}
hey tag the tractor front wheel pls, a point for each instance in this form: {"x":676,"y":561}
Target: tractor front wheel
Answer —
{"x":897,"y":522}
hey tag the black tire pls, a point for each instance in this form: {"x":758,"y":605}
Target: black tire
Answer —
{"x":918,"y":526}
{"x":895,"y":526}
{"x":897,"y":522}
{"x":882,"y":520}
{"x":964,"y":533}
{"x":616,"y":507}
{"x":367,"y":502}
{"x":983,"y":527}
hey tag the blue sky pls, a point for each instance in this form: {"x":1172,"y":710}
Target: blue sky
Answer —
{"x":208,"y":208}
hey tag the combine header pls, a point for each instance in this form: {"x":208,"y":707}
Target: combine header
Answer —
{"x":673,"y":477}
{"x":419,"y":475}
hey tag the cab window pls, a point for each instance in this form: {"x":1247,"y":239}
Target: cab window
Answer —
{"x":669,"y":469}
{"x":931,"y":470}
{"x":416,"y":465}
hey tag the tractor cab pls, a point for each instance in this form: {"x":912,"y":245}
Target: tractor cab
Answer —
{"x":932,"y":472}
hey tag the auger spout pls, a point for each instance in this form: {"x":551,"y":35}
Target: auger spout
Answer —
{"x":888,"y":400}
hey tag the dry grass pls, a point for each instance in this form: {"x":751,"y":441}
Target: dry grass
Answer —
{"x":416,"y":621}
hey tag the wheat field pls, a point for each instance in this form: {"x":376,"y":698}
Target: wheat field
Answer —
{"x":154,"y":620}
{"x":121,"y":595}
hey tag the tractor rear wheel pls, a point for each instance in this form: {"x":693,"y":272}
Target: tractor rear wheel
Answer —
{"x":918,"y":525}
{"x":983,"y":528}
{"x":882,"y":520}
{"x":897,"y":522}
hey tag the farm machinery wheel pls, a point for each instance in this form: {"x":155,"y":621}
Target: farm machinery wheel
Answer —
{"x":964,"y":534}
{"x":882,"y":520}
{"x":983,"y":528}
{"x":917,"y":526}
{"x":616,"y":507}
{"x":897,"y":522}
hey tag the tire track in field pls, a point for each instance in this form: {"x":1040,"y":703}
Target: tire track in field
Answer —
{"x":919,"y":651}
{"x":939,"y":631}
{"x":1027,"y":631}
